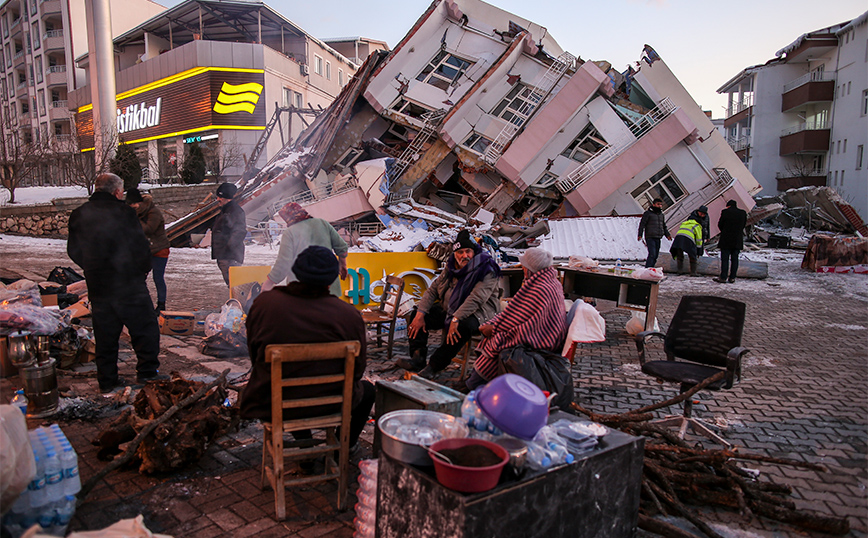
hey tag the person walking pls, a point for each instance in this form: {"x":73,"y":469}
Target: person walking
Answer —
{"x":107,"y":241}
{"x":653,"y":225}
{"x":228,"y":231}
{"x":154,"y":226}
{"x":731,"y":224}
{"x":688,"y":241}
{"x":302,"y":232}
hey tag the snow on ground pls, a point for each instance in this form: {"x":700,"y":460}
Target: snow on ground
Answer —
{"x":41,"y":195}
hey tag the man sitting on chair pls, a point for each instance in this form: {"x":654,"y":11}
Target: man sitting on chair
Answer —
{"x":304,"y":312}
{"x":535,"y":316}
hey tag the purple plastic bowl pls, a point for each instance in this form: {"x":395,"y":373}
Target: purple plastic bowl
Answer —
{"x":515,"y":405}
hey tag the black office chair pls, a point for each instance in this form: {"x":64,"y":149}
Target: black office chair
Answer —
{"x":703,"y":339}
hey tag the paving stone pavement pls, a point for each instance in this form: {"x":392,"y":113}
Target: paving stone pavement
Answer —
{"x":802,"y":396}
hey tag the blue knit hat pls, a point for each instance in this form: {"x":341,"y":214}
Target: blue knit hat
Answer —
{"x":317,"y":266}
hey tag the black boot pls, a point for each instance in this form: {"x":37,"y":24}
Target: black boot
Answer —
{"x":415,"y":363}
{"x":693,"y":264}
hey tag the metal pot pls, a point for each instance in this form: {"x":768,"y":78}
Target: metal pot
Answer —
{"x":21,"y":349}
{"x":433,"y":427}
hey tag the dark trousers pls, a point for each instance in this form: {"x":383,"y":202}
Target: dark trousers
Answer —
{"x":436,"y":320}
{"x":653,"y":250}
{"x":134,"y":310}
{"x":158,"y":266}
{"x":728,"y":263}
{"x":358,"y":416}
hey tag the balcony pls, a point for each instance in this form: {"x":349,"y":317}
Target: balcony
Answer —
{"x":58,"y":111}
{"x":15,"y":27}
{"x":21,"y":89}
{"x":50,"y":7}
{"x":55,"y":75}
{"x":810,"y":137}
{"x":18,"y":58}
{"x":794,"y":179}
{"x":810,"y":88}
{"x":53,"y":40}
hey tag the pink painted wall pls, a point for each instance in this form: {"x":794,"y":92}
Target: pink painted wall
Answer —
{"x":548,"y":121}
{"x":641,"y":154}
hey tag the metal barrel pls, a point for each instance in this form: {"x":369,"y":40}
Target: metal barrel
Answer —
{"x":40,"y":387}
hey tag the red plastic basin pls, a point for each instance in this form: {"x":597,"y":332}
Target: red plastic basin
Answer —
{"x":468,"y":479}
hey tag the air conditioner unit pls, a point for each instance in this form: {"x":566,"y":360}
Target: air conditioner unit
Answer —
{"x":304,"y":70}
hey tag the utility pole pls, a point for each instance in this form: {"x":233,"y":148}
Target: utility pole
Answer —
{"x":102,"y":79}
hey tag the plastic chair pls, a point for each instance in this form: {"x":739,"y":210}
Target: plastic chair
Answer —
{"x":703,"y":339}
{"x":386,"y":314}
{"x":307,"y":402}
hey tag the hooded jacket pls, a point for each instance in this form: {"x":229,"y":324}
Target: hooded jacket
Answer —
{"x":653,"y":224}
{"x":153,"y":224}
{"x":228,"y":233}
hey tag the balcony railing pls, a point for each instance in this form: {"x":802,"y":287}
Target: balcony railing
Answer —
{"x":58,"y":104}
{"x":52,"y":33}
{"x":814,"y":125}
{"x":317,"y":194}
{"x":19,"y":54}
{"x":15,"y":23}
{"x":787,"y":174}
{"x":737,"y":106}
{"x":813,"y":76}
{"x":609,"y":152}
{"x":56,"y":69}
{"x":738,"y":144}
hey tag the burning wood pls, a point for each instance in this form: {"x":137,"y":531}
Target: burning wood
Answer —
{"x":675,"y":473}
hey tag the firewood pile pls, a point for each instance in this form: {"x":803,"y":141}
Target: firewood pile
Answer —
{"x":676,"y":473}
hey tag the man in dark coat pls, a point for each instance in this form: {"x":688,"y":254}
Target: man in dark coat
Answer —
{"x":107,"y":241}
{"x":731,"y":223}
{"x":228,"y":231}
{"x":304,"y":312}
{"x":653,"y":225}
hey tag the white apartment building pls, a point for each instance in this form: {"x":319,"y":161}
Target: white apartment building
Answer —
{"x":801,"y":119}
{"x":40,"y":40}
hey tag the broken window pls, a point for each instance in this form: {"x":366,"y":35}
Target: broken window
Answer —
{"x":409,"y":108}
{"x":477,"y":143}
{"x":518,"y":104}
{"x":397,"y":131}
{"x":546,"y":180}
{"x":444,"y":70}
{"x":586,"y":145}
{"x":663,"y":185}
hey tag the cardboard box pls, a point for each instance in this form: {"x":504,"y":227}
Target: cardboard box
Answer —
{"x":49,"y":299}
{"x":177,"y":323}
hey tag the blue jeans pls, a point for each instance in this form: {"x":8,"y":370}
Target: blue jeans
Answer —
{"x":158,"y":267}
{"x":728,"y":263}
{"x":653,"y":250}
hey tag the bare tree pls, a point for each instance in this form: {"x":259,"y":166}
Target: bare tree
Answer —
{"x":23,"y":155}
{"x":77,"y":160}
{"x":219,"y":159}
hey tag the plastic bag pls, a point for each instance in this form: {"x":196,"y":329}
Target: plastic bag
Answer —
{"x":224,"y":345}
{"x":545,"y":369}
{"x":64,"y":275}
{"x":637,"y":324}
{"x":17,"y":466}
{"x":230,"y":319}
{"x":31,"y":318}
{"x":26,"y":294}
{"x":583,"y":262}
{"x":648,"y":273}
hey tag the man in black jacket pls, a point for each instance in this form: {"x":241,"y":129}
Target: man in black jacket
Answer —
{"x":732,"y":222}
{"x":228,"y":231}
{"x":107,"y":241}
{"x":653,"y":225}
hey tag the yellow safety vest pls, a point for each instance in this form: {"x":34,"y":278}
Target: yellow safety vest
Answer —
{"x":691,"y":229}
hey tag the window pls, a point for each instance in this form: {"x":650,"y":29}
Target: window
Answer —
{"x":663,"y":185}
{"x":317,"y":64}
{"x":36,"y":41}
{"x":41,"y":102}
{"x":586,"y":145}
{"x":842,"y":177}
{"x":38,"y":62}
{"x":409,"y":108}
{"x":860,"y":149}
{"x":546,"y":180}
{"x":27,"y":40}
{"x":845,"y":145}
{"x":835,"y":181}
{"x":33,"y":9}
{"x":341,"y":78}
{"x":328,"y":70}
{"x":5,"y":27}
{"x":838,"y":150}
{"x":299,"y":100}
{"x":11,"y":85}
{"x":518,"y":104}
{"x":287,"y":97}
{"x":864,"y":103}
{"x":8,"y":56}
{"x":444,"y":70}
{"x":477,"y":143}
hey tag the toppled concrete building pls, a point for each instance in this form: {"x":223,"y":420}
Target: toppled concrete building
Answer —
{"x":477,"y":109}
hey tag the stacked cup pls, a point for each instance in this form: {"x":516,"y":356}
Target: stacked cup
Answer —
{"x":366,"y":509}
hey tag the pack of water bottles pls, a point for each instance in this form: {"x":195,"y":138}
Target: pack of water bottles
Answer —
{"x":366,"y":509}
{"x":49,"y":499}
{"x":480,"y":426}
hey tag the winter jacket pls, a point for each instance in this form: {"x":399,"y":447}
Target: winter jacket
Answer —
{"x":153,"y":224}
{"x":297,"y":314}
{"x":731,"y":223}
{"x":653,"y":224}
{"x":228,"y":233}
{"x":107,"y":241}
{"x":482,"y":302}
{"x":688,"y":238}
{"x":299,"y":236}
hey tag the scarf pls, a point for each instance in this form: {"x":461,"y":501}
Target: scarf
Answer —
{"x":468,"y":277}
{"x":292,"y":213}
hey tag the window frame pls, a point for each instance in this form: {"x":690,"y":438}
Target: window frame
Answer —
{"x":586,"y":134}
{"x":473,"y":139}
{"x":436,"y":71}
{"x":317,"y":64}
{"x":648,"y":190}
{"x":520,"y":95}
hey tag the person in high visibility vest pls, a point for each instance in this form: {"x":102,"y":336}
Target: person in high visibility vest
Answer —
{"x":688,"y":241}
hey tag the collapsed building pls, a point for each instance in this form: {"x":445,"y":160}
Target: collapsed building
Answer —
{"x":477,"y":113}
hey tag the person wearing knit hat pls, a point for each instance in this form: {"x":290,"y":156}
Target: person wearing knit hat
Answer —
{"x":303,"y":231}
{"x":304,"y":312}
{"x":460,"y":299}
{"x":731,"y":225}
{"x":154,"y":226}
{"x":535,"y":317}
{"x":228,"y":231}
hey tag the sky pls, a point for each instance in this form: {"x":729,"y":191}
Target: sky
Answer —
{"x":704,"y":42}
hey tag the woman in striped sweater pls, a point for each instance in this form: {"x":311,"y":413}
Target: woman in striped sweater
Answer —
{"x":535,"y":317}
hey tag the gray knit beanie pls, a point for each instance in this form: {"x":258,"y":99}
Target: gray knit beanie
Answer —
{"x":535,"y":259}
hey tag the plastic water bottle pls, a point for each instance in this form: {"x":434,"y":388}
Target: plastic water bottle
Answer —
{"x":618,"y":266}
{"x":46,"y":516}
{"x":53,"y":477}
{"x":20,"y":401}
{"x":37,"y":485}
{"x":538,"y":457}
{"x":69,"y":463}
{"x":63,"y":515}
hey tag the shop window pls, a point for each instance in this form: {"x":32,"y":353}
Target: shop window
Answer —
{"x":518,"y":104}
{"x":586,"y":145}
{"x":663,"y":185}
{"x":476,"y":142}
{"x":444,"y":70}
{"x":409,"y":108}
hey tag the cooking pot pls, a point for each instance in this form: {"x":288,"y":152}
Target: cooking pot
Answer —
{"x":406,"y":434}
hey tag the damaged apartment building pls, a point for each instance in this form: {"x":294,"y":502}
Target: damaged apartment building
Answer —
{"x":479,"y":112}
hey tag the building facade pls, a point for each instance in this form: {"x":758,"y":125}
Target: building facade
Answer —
{"x":801,"y":119}
{"x":215,"y":74}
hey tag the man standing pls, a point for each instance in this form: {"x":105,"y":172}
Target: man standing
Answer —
{"x":653,"y":224}
{"x":463,"y":297}
{"x":228,"y":231}
{"x":107,"y":241}
{"x":731,"y":223}
{"x":304,"y":312}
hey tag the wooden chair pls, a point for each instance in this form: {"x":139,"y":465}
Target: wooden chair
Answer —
{"x":463,"y":357}
{"x":386,"y":313}
{"x":343,"y":355}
